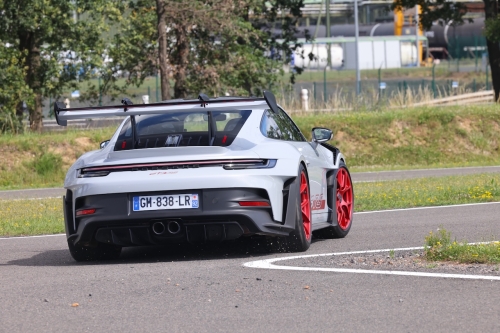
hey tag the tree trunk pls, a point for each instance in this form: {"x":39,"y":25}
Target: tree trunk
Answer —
{"x":36,"y":114}
{"x":28,"y":43}
{"x":162,"y":50}
{"x":491,"y":12}
{"x":182,"y":53}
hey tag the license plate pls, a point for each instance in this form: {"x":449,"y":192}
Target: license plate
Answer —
{"x":157,"y":202}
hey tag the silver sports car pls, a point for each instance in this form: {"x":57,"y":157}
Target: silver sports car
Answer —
{"x":209,"y":169}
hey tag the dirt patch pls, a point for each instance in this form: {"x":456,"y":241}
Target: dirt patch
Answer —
{"x":84,"y":142}
{"x":12,"y":157}
{"x":465,"y":124}
{"x":70,"y":152}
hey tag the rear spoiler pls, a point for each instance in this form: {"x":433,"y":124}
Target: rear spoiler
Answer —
{"x":204,"y":103}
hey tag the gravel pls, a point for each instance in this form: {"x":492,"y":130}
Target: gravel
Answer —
{"x":413,"y":261}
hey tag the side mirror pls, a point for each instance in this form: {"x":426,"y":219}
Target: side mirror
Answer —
{"x":104,"y":144}
{"x":320,"y":134}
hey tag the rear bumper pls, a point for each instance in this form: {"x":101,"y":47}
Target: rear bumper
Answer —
{"x":219,"y":217}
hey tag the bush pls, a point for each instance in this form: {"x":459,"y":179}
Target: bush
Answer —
{"x":439,"y":247}
{"x":47,"y":164}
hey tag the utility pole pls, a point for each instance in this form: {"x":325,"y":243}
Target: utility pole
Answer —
{"x":328,"y":35}
{"x":356,"y":47}
{"x":416,"y":35}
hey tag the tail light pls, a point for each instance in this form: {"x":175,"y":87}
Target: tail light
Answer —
{"x":254,"y":204}
{"x":83,"y":212}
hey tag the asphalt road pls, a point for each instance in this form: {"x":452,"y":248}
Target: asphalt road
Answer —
{"x":357,"y":177}
{"x":206,"y":289}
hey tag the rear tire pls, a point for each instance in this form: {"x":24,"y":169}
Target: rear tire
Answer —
{"x":99,"y":251}
{"x":299,"y":240}
{"x":344,"y":204}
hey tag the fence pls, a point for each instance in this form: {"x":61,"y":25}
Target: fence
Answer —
{"x":338,"y":88}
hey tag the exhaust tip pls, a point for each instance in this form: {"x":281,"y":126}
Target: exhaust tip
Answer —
{"x":158,"y":228}
{"x":173,"y":227}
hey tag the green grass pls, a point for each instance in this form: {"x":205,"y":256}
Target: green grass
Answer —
{"x":31,"y":217}
{"x":35,"y":160}
{"x":413,"y":137}
{"x":435,"y":191}
{"x":45,"y":216}
{"x":440,"y":247}
{"x":396,"y":139}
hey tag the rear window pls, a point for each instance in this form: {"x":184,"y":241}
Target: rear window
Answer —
{"x":182,"y":129}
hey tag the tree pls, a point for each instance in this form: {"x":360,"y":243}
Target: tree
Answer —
{"x":13,"y":90}
{"x":445,"y":12}
{"x":492,"y":33}
{"x":162,"y":49}
{"x":216,"y":46}
{"x":55,"y":51}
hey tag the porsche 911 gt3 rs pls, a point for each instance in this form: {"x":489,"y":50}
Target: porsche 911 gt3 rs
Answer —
{"x":209,"y":169}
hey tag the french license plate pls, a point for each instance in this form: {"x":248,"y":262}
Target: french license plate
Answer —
{"x":157,"y":202}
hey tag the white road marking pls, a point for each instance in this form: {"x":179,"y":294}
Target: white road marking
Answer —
{"x":24,"y":237}
{"x":19,"y":199}
{"x":427,"y":207}
{"x":431,"y":169}
{"x":269,"y":264}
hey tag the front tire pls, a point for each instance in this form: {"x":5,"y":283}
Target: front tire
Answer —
{"x":344,"y":204}
{"x":98,"y":251}
{"x":299,"y":240}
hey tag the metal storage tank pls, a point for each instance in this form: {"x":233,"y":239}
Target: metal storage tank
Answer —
{"x":321,"y":54}
{"x":312,"y":30}
{"x":442,"y":35}
{"x":347,"y":30}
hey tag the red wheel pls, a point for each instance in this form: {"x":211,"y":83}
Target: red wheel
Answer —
{"x":305,"y":205}
{"x":300,"y":238}
{"x":344,"y":204}
{"x":344,"y":199}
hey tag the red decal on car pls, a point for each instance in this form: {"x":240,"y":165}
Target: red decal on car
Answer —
{"x":317,"y":202}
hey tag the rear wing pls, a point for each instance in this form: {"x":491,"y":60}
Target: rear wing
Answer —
{"x":203,"y":103}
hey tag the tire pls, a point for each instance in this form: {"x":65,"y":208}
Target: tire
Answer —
{"x":344,"y":204}
{"x":299,"y":239}
{"x":99,"y":251}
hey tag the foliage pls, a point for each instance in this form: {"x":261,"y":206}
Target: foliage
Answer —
{"x":215,"y":47}
{"x":492,"y":29}
{"x":13,"y":90}
{"x":435,"y":11}
{"x":47,"y":163}
{"x":439,"y":247}
{"x":55,"y":51}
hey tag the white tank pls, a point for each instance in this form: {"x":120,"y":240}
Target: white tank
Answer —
{"x":321,"y":56}
{"x":408,"y":54}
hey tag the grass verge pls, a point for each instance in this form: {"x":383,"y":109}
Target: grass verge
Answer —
{"x":371,"y":141}
{"x":440,"y":247}
{"x":45,"y":216}
{"x":31,"y":217}
{"x":34,"y":160}
{"x":420,"y":192}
